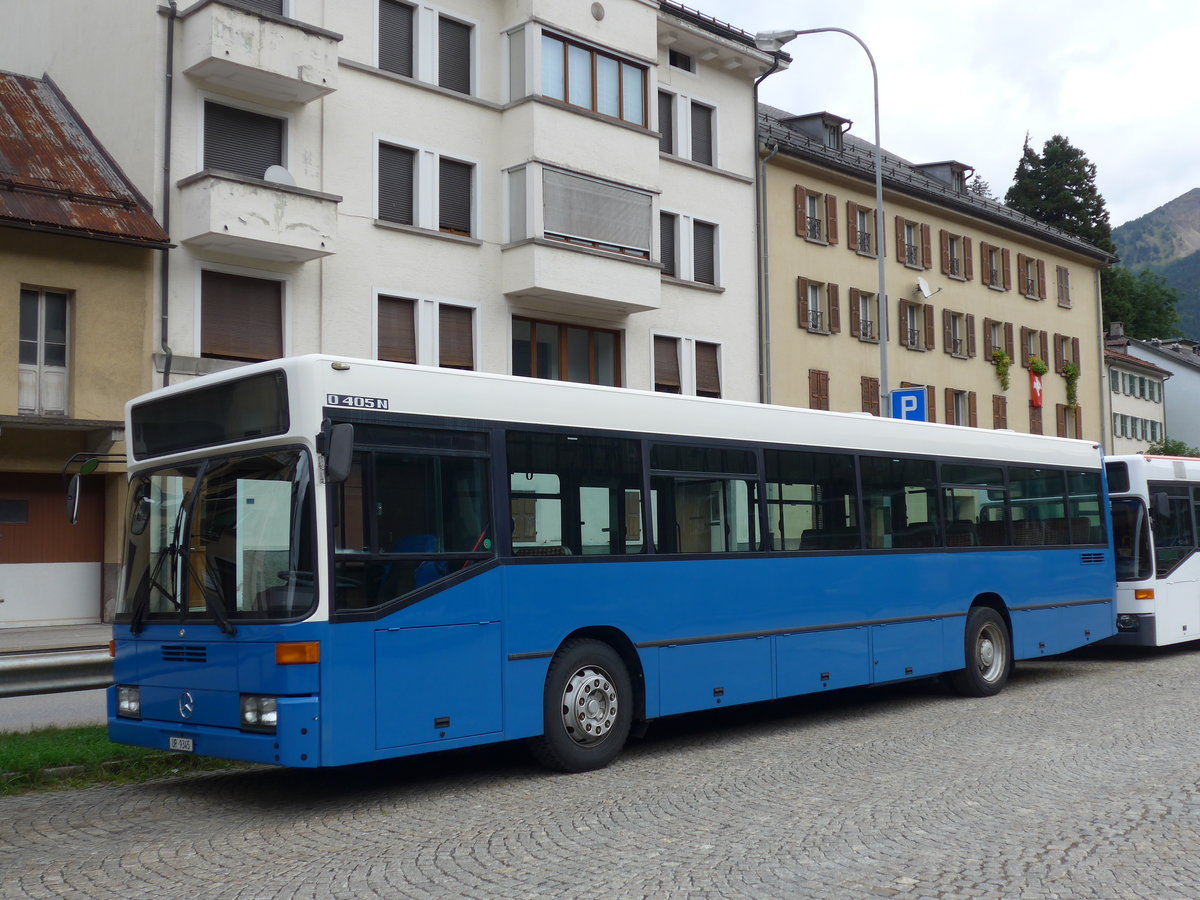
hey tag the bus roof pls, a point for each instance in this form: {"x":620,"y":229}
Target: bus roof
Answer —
{"x":458,"y":394}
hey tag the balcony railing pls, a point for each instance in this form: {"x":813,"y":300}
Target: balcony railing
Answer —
{"x":815,"y":228}
{"x":815,"y":320}
{"x":956,"y":266}
{"x":912,"y":255}
{"x":866,"y":330}
{"x":864,"y":242}
{"x":914,"y":339}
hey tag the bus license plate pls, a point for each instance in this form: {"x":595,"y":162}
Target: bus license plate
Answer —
{"x":183,"y":745}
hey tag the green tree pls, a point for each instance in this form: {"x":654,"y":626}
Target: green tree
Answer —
{"x":979,"y":187}
{"x":1143,"y":302}
{"x":1171,"y":447}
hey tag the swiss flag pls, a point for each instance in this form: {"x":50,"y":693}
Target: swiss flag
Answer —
{"x":1035,"y":388}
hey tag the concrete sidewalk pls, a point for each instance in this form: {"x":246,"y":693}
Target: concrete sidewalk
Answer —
{"x":36,"y":639}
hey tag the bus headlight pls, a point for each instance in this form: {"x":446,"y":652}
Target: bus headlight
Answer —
{"x":259,"y":713}
{"x":129,"y":701}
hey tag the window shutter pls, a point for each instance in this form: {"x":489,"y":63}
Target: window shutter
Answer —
{"x":666,"y":122}
{"x":870,"y":394}
{"x":1079,"y":423}
{"x":1059,"y":359}
{"x":666,"y":243}
{"x":1075,"y":351}
{"x":1043,"y":338}
{"x":1025,"y":354}
{"x":900,"y":251}
{"x":801,"y":212}
{"x":802,"y":302}
{"x":454,"y":196}
{"x":944,"y":239}
{"x":1035,"y":420}
{"x":902,"y":330}
{"x":1006,"y":258}
{"x":666,"y":364}
{"x":240,"y":317}
{"x":831,"y":219}
{"x":396,"y":37}
{"x":987,"y":338}
{"x":267,"y":6}
{"x":454,"y":55}
{"x":972,"y":411}
{"x":968,"y":260}
{"x":456,"y":349}
{"x":1022,"y":278}
{"x":596,"y":211}
{"x":396,"y":170}
{"x":947,"y":337}
{"x":855,"y":325}
{"x":1041,"y":279}
{"x":708,"y":374}
{"x":835,"y":310}
{"x":397,"y":330}
{"x":970,"y":335}
{"x":931,"y":401}
{"x":851,"y":226}
{"x":704,"y":252}
{"x":999,"y":411}
{"x":1060,"y":419}
{"x":950,"y":407}
{"x":240,"y":141}
{"x":985,"y":262}
{"x":930,"y":327}
{"x":926,"y":247}
{"x":702,"y":136}
{"x":1008,"y":339}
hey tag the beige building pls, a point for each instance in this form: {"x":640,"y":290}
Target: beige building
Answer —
{"x":76,"y":273}
{"x":968,"y":284}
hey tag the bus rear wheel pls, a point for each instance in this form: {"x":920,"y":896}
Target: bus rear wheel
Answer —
{"x":587,"y":708}
{"x":988,"y":652}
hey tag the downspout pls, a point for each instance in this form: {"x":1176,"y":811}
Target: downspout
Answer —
{"x":760,"y":262}
{"x":1105,"y":388}
{"x":164,"y":268}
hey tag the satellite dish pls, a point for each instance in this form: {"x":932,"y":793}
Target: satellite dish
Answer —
{"x":279,"y":175}
{"x":923,"y":287}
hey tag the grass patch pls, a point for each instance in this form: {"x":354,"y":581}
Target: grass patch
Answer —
{"x":74,"y":757}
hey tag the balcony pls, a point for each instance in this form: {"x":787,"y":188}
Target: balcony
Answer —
{"x":271,"y":57}
{"x":256,"y":219}
{"x":557,"y":276}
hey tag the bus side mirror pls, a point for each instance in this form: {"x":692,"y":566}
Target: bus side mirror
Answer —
{"x":339,"y":452}
{"x":73,"y":499}
{"x":1161,"y":504}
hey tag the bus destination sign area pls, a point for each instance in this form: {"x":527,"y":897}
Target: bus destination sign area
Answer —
{"x":355,"y":402}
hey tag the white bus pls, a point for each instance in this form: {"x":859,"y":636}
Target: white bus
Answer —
{"x":1155,"y":540}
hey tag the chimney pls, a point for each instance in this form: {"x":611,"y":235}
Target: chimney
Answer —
{"x":1116,"y":329}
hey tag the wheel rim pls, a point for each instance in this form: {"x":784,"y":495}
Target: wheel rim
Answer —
{"x":991,"y":655}
{"x":589,"y":705}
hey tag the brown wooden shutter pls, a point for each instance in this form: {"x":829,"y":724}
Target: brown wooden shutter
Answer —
{"x":708,"y":374}
{"x":1075,"y":350}
{"x":855,"y":317}
{"x":1022,"y":284}
{"x":240,"y":317}
{"x":926,"y":247}
{"x":999,"y":411}
{"x":1025,"y":333}
{"x":901,"y":253}
{"x":972,"y":410}
{"x":1044,"y":340}
{"x":930,"y":327}
{"x":950,"y":407}
{"x":818,"y":389}
{"x":987,"y":338}
{"x":902,"y":330}
{"x":1007,"y":263}
{"x":1060,"y":419}
{"x":801,"y":215}
{"x":455,"y":345}
{"x":835,"y":309}
{"x":947,"y":336}
{"x":1035,"y":420}
{"x":802,"y":302}
{"x":931,"y":402}
{"x":968,"y":259}
{"x":985,"y":263}
{"x":1041,"y":277}
{"x":666,"y":364}
{"x":1059,"y":359}
{"x":1008,"y":339}
{"x":1078,"y":423}
{"x":851,"y":225}
{"x":870,"y":394}
{"x":970,"y":335}
{"x":397,"y":330}
{"x":831,"y":219}
{"x":944,"y":239}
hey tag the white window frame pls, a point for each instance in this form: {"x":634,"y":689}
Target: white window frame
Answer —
{"x":868,"y":314}
{"x":426,"y":310}
{"x":264,"y":274}
{"x":681,"y":110}
{"x":426,"y":177}
{"x":426,"y":21}
{"x":686,"y":347}
{"x":685,"y":246}
{"x":288,"y":119}
{"x":40,"y":373}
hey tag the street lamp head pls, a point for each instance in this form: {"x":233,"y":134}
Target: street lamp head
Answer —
{"x":773,"y":41}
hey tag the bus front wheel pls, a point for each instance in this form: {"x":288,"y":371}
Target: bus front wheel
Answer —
{"x":587,"y":708}
{"x":988,"y":652}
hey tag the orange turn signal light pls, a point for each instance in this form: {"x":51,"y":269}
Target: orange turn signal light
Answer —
{"x":112,"y":649}
{"x":1143,"y":594}
{"x":298,"y":653}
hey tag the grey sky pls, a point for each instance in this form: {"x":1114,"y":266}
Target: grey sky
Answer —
{"x":966,"y":81}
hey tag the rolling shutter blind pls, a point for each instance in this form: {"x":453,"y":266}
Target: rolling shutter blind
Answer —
{"x":666,"y":364}
{"x":594,"y":211}
{"x":396,"y":37}
{"x":397,"y":330}
{"x":454,"y":55}
{"x":240,"y":317}
{"x":702,"y":140}
{"x":454,"y":196}
{"x":704,"y":259}
{"x":267,"y":6}
{"x":240,"y":141}
{"x":396,"y":184}
{"x":666,"y":123}
{"x":666,"y":239}
{"x":455,"y":347}
{"x":708,"y":375}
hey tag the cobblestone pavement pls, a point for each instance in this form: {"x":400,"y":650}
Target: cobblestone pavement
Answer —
{"x":1080,"y":780}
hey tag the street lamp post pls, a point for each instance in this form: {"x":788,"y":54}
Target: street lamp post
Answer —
{"x":772,"y":42}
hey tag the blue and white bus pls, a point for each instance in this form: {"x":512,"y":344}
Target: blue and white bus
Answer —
{"x":331,"y":561}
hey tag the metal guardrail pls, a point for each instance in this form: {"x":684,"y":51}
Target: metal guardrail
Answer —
{"x":52,"y":672}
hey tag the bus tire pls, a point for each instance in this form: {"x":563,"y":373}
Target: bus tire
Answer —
{"x":587,"y":708}
{"x":988,"y":655}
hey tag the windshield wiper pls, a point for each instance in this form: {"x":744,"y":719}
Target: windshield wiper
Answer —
{"x":217,"y":606}
{"x":171,"y":551}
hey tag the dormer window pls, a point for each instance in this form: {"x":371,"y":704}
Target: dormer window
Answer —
{"x":833,"y":136}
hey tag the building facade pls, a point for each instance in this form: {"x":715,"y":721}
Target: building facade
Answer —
{"x":77,"y":254}
{"x":977,"y":298}
{"x":542,"y":187}
{"x":1180,"y":359}
{"x":1136,"y":395}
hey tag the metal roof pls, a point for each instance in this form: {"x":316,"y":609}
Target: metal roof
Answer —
{"x":56,"y":177}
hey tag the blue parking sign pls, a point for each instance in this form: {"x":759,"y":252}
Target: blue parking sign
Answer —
{"x":909,"y":403}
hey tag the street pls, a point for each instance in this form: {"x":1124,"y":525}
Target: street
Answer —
{"x":1079,"y":780}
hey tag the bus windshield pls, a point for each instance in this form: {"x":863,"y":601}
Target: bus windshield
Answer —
{"x":1131,"y":539}
{"x":222,"y":540}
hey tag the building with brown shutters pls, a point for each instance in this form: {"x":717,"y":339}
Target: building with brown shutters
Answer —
{"x":969,"y":284}
{"x":76,"y":282}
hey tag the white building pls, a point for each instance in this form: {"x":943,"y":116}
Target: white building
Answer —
{"x":1181,"y":359}
{"x":1136,"y":392}
{"x":542,"y":187}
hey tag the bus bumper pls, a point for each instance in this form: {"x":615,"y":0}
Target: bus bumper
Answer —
{"x":296,"y":741}
{"x":1135,"y":630}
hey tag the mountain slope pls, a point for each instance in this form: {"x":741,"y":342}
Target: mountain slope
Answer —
{"x":1169,"y":233}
